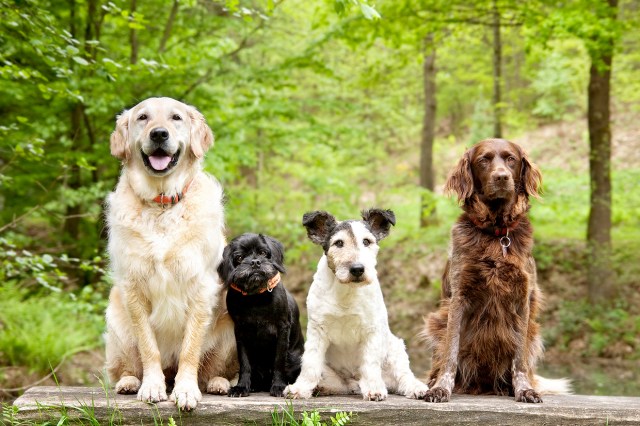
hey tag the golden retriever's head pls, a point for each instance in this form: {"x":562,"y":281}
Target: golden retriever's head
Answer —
{"x":160,"y":133}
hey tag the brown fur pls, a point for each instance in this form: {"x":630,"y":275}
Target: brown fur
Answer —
{"x":485,"y":337}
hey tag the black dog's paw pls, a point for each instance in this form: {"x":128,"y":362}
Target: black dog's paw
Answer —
{"x":277,"y":389}
{"x":437,"y":395}
{"x":237,"y":391}
{"x":528,"y":395}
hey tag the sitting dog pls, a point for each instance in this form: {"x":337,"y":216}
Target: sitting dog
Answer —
{"x":166,"y":317}
{"x":349,"y":347}
{"x":485,"y":337}
{"x":266,"y":317}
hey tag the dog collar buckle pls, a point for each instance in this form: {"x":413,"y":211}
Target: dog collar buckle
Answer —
{"x":505,"y":242}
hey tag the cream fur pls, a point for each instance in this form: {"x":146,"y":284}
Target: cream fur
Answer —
{"x":166,"y":309}
{"x":349,"y":347}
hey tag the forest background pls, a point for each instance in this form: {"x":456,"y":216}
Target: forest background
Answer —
{"x":337,"y":105}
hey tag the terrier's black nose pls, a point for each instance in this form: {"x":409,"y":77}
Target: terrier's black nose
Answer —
{"x":356,"y":269}
{"x":159,"y":134}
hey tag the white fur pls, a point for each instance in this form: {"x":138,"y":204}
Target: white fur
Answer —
{"x":348,"y":336}
{"x":163,"y":263}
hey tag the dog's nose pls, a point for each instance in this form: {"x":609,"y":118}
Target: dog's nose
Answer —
{"x":356,"y":269}
{"x":501,"y":175}
{"x":159,"y":134}
{"x":255,"y":262}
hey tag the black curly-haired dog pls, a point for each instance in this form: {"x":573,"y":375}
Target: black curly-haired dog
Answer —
{"x":265,"y":315}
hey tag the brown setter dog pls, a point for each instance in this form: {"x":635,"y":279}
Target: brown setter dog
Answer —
{"x":485,"y":337}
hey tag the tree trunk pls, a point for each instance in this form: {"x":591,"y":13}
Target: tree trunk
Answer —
{"x":133,"y":37}
{"x":167,"y":28}
{"x":600,"y":272}
{"x":73,"y":213}
{"x":497,"y":74}
{"x":427,"y":205}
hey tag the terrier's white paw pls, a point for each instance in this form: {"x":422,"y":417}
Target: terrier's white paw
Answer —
{"x":296,"y":391}
{"x":375,"y":391}
{"x":153,"y":389}
{"x":186,"y":394}
{"x":417,"y":391}
{"x":128,"y":385}
{"x":218,"y":386}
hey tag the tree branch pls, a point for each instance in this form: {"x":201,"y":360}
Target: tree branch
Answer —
{"x":169,"y":24}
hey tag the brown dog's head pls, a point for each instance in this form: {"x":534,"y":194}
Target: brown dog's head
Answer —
{"x":158,"y":133}
{"x":494,"y":169}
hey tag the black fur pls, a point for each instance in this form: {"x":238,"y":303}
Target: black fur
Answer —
{"x":267,"y":325}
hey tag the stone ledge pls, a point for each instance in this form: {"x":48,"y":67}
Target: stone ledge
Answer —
{"x":396,"y":410}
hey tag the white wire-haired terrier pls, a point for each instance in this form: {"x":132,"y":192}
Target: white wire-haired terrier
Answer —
{"x":349,"y":347}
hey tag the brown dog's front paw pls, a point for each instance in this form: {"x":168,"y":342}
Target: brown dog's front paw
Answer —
{"x":437,"y":395}
{"x":528,"y":395}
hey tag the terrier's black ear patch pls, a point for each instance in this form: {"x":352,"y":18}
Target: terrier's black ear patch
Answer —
{"x":379,"y":221}
{"x":319,"y":225}
{"x":225,"y":269}
{"x":277,"y":252}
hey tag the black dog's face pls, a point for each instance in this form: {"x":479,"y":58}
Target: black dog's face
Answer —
{"x":250,"y":260}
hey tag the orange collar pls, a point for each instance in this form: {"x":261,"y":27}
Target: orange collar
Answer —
{"x":273,"y":282}
{"x":165,"y":200}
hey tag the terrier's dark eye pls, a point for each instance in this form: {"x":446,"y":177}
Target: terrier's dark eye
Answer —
{"x":339,"y":243}
{"x":262,"y":253}
{"x":366,"y":242}
{"x":142,"y":117}
{"x":176,"y":117}
{"x":237,"y":259}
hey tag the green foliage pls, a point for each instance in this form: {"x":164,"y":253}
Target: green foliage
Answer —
{"x":285,"y":416}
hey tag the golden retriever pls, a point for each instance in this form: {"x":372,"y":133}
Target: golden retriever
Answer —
{"x":166,"y":317}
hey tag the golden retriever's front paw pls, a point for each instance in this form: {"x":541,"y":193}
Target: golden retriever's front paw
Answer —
{"x":186,"y":395}
{"x":218,"y":386}
{"x":128,"y":385}
{"x":296,"y":391}
{"x":152,"y":390}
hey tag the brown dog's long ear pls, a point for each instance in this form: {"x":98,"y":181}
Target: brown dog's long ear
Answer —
{"x":119,"y":141}
{"x":460,"y":180}
{"x":530,"y":177}
{"x":201,"y":134}
{"x":379,"y":221}
{"x":319,"y":224}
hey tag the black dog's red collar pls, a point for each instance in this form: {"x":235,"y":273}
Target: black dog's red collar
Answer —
{"x":273,"y":282}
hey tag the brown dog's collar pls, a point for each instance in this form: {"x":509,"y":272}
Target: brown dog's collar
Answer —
{"x":498,"y":231}
{"x":273,"y":282}
{"x":165,"y":200}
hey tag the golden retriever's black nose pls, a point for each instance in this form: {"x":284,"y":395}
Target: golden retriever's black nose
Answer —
{"x":159,"y":134}
{"x":356,"y":269}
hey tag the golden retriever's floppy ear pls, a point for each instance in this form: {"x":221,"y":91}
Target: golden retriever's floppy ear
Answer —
{"x":460,"y":180}
{"x":120,"y":137}
{"x":201,"y":134}
{"x":530,"y":177}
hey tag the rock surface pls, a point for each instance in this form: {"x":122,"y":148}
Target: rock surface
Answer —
{"x":45,"y":402}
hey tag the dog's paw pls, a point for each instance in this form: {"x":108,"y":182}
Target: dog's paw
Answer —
{"x":218,"y":386}
{"x":437,"y":395}
{"x":417,"y":391}
{"x":374,"y":392}
{"x":128,"y":385}
{"x":152,"y":390}
{"x":277,"y":389}
{"x":297,"y":392}
{"x":237,"y":391}
{"x":528,"y":395}
{"x":186,"y":395}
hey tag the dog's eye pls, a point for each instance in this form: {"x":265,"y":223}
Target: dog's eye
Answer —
{"x":511,"y":161}
{"x":142,"y":117}
{"x":262,"y":253}
{"x":366,"y":242}
{"x":339,"y":243}
{"x":176,"y":117}
{"x":237,"y":259}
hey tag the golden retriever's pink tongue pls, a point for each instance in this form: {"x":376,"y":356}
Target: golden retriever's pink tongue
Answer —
{"x":159,"y":162}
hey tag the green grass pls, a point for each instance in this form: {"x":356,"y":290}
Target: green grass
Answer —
{"x":39,"y":331}
{"x":285,"y":416}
